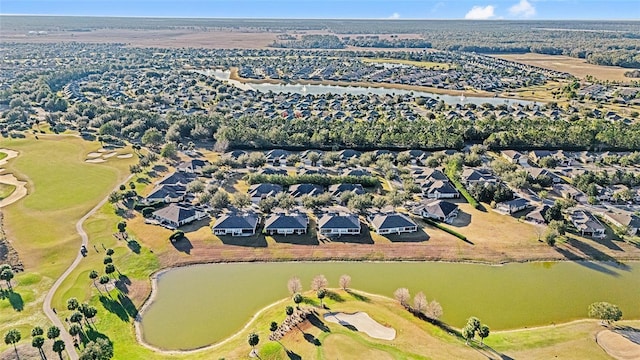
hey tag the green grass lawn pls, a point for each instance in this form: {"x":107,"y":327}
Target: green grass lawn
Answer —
{"x":6,"y":190}
{"x":41,"y":226}
{"x":3,"y":155}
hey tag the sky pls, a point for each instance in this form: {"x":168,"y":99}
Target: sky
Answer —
{"x":337,"y":9}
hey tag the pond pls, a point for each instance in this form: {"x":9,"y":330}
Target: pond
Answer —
{"x":223,"y":75}
{"x":203,"y":304}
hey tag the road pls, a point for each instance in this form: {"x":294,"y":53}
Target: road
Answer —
{"x":48,"y":310}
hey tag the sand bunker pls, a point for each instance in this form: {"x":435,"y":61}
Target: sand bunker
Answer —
{"x":361,"y":321}
{"x":124,"y":156}
{"x":620,"y":344}
{"x":106,"y":156}
{"x":93,"y":155}
{"x":17,"y":194}
{"x":10,"y":155}
{"x":95,"y":161}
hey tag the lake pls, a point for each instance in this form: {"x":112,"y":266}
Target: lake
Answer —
{"x":203,"y":304}
{"x":223,"y":75}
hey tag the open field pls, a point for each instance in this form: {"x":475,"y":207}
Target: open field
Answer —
{"x":41,"y":226}
{"x":177,"y":38}
{"x":574,"y":66}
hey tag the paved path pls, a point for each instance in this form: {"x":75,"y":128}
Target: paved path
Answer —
{"x":68,"y":340}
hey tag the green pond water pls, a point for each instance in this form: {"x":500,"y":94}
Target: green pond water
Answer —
{"x":203,"y":304}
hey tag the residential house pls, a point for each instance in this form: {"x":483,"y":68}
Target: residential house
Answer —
{"x":587,"y":224}
{"x":537,"y":155}
{"x":258,"y":192}
{"x":272,"y":171}
{"x":438,"y":210}
{"x":392,"y":223}
{"x":339,"y":224}
{"x":236,"y":224}
{"x":477,"y":176}
{"x":513,"y":206}
{"x":625,"y":220}
{"x":177,"y":178}
{"x":176,"y":215}
{"x":338,"y":189}
{"x":286,"y":224}
{"x":537,"y":216}
{"x":166,"y":194}
{"x":347,"y":154}
{"x":514,"y":157}
{"x":277,"y":156}
{"x":193,"y":166}
{"x":356,"y":172}
{"x":537,"y":173}
{"x":441,"y":190}
{"x":299,"y":190}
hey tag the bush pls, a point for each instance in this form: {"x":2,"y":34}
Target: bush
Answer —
{"x":122,"y":226}
{"x":177,"y":235}
{"x":446,"y":229}
{"x":146,"y":212}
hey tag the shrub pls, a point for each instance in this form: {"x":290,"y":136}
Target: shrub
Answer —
{"x":177,"y":235}
{"x":146,"y":212}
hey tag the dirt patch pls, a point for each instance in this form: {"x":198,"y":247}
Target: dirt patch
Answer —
{"x":26,"y":351}
{"x":175,"y":38}
{"x":574,"y":66}
{"x":618,"y":344}
{"x":8,"y":255}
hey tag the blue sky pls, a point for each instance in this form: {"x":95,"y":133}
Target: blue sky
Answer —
{"x":352,"y":9}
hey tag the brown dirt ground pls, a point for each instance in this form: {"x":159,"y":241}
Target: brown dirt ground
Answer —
{"x":574,"y":66}
{"x":617,"y":346}
{"x":179,"y":38}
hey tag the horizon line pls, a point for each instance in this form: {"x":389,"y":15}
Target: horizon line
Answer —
{"x":308,"y":18}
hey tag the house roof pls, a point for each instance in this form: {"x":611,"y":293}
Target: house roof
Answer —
{"x":477,"y":175}
{"x":515,"y":203}
{"x":305,"y":189}
{"x":391,"y":221}
{"x":338,"y":189}
{"x":237,"y":221}
{"x":585,"y":221}
{"x":443,"y":187}
{"x":348,"y":154}
{"x":163,"y":191}
{"x":177,"y":178}
{"x":440,"y":208}
{"x":538,"y":214}
{"x":264,"y":189}
{"x":282,"y":221}
{"x":624,"y":219}
{"x":356,"y":172}
{"x":175,"y":213}
{"x":277,"y":154}
{"x":342,"y":221}
{"x":272,"y":171}
{"x":193,"y":164}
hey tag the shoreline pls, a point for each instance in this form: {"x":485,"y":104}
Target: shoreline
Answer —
{"x":149,"y":300}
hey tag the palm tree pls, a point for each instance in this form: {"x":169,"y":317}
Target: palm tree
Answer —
{"x":58,"y":346}
{"x":321,"y":294}
{"x":72,"y":304}
{"x":273,"y":327}
{"x":288,"y":310}
{"x":104,"y":280}
{"x":53,"y":332}
{"x":37,"y":331}
{"x":93,"y":275}
{"x":75,"y":330}
{"x":38,"y":342}
{"x":6,"y":274}
{"x":483,"y":333}
{"x":11,"y":338}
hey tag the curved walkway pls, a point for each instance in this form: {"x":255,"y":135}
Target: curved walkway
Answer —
{"x":68,"y":340}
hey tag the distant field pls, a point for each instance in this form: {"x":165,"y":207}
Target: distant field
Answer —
{"x":220,"y":39}
{"x":427,"y":64}
{"x":574,"y":66}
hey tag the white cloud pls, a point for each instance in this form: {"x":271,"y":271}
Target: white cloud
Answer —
{"x":395,"y":15}
{"x":481,"y":13}
{"x":523,"y":9}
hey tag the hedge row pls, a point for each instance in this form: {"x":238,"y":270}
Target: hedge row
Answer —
{"x":446,"y":229}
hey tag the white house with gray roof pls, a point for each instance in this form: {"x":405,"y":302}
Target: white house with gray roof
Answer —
{"x":392,"y":223}
{"x":236,"y":224}
{"x":339,"y":224}
{"x":286,"y":224}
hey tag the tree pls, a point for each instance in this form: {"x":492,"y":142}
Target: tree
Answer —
{"x":483,"y":332}
{"x":434,"y":310}
{"x":72,"y":304}
{"x":104,"y":280}
{"x":420,"y":302}
{"x":76,"y":317}
{"x":605,"y":311}
{"x":75,"y":330}
{"x":468,"y":333}
{"x":219,"y":200}
{"x":319,"y":282}
{"x":6,"y":274}
{"x":313,"y":157}
{"x":109,"y":269}
{"x":288,"y":310}
{"x":37,"y":331}
{"x":241,"y":200}
{"x":58,"y":346}
{"x":294,"y":285}
{"x":474,"y":323}
{"x":37,"y":343}
{"x":402,"y":295}
{"x":53,"y":332}
{"x":110,"y":251}
{"x":107,"y":260}
{"x":152,"y":137}
{"x":273,"y":327}
{"x":297,"y":298}
{"x":345,"y":281}
{"x":12,"y":337}
{"x":122,"y":226}
{"x":321,"y":293}
{"x":169,"y":151}
{"x":100,"y":349}
{"x":253,"y":340}
{"x":93,"y":275}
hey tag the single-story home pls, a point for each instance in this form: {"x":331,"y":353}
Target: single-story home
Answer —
{"x":356,"y":172}
{"x":166,"y":193}
{"x":439,"y":210}
{"x":536,"y":173}
{"x":626,"y":220}
{"x":277,"y":156}
{"x":258,"y":192}
{"x":392,"y":223}
{"x":177,"y":178}
{"x":236,"y":224}
{"x":440,"y":189}
{"x":513,"y":156}
{"x":286,"y":224}
{"x":537,"y":215}
{"x":347,"y":154}
{"x":587,"y":224}
{"x":193,"y":166}
{"x":176,"y":215}
{"x":337,"y":189}
{"x":513,"y":206}
{"x":339,"y":224}
{"x":477,"y":176}
{"x":272,"y":171}
{"x":299,"y":190}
